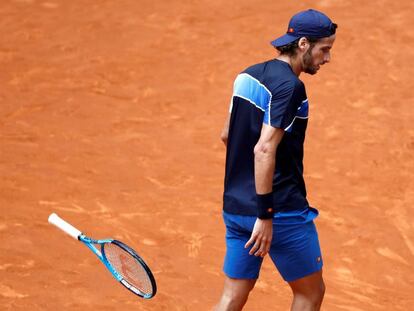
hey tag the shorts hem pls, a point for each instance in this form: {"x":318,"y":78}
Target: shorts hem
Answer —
{"x":299,"y":276}
{"x":239,"y":277}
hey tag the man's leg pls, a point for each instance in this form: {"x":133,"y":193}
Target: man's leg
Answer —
{"x":235,"y":294}
{"x":308,"y":292}
{"x":241,"y":269}
{"x":297,"y":255}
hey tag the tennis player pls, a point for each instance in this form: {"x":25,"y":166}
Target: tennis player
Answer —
{"x":265,"y":205}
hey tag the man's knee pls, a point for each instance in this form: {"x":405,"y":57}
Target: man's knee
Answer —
{"x":235,"y":294}
{"x":233,"y":301}
{"x":308,"y":292}
{"x":311,"y":300}
{"x":238,"y":292}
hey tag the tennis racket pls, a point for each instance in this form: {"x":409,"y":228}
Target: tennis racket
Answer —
{"x":126,"y":266}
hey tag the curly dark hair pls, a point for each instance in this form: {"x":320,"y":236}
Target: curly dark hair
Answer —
{"x":290,"y":49}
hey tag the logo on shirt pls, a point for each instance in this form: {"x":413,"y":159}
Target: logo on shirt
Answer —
{"x":302,"y":113}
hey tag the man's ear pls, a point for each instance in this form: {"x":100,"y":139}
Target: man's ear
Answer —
{"x":303,"y":44}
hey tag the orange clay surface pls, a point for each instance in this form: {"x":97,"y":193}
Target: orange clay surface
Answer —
{"x":110,"y":115}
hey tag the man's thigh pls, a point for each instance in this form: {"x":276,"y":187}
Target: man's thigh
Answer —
{"x":238,"y":263}
{"x":295,"y":250}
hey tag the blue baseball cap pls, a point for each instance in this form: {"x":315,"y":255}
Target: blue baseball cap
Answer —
{"x":309,"y":23}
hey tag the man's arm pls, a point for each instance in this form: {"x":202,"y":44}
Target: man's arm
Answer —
{"x":264,"y":168}
{"x":225,"y":132}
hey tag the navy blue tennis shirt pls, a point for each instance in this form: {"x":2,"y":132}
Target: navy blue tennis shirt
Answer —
{"x":267,"y":93}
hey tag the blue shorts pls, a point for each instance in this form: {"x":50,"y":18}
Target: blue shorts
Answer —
{"x":295,"y":249}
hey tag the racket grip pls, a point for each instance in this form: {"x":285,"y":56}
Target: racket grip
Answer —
{"x":64,"y":226}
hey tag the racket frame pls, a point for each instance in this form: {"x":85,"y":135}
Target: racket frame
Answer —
{"x":90,"y":243}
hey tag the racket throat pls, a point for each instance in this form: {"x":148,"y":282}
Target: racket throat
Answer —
{"x":95,"y":250}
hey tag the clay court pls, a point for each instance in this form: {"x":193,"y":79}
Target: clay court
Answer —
{"x":110,"y":116}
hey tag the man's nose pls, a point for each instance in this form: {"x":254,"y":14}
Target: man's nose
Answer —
{"x":327,"y":58}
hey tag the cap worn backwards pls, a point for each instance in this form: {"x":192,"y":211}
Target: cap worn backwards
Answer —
{"x":309,"y":23}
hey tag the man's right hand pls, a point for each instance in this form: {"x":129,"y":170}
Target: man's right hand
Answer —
{"x":261,"y":237}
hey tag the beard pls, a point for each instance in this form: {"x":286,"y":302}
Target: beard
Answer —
{"x":308,"y":65}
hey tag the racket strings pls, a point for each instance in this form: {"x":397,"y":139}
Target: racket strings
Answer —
{"x":129,"y":268}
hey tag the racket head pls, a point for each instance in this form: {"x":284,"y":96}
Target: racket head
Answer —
{"x":136,"y":276}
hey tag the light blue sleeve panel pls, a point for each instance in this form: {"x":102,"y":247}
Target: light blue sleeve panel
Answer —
{"x":250,"y":89}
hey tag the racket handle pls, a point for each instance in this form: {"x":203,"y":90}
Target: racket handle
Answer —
{"x":64,"y":226}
